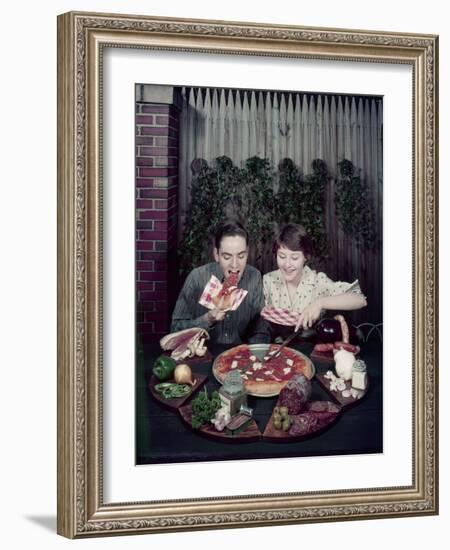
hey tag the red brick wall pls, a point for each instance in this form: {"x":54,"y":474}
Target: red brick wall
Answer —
{"x":157,"y":128}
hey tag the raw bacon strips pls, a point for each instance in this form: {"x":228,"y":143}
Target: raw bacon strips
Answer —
{"x":185,"y":343}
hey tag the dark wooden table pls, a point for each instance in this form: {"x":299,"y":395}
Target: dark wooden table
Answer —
{"x":162,"y":437}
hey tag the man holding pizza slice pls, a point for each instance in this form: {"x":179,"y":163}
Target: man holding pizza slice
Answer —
{"x":226,"y":323}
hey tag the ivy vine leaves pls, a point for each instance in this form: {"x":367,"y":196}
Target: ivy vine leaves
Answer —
{"x":353,"y":208}
{"x":222,"y":190}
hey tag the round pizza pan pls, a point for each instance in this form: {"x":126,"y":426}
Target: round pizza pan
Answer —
{"x":260,"y":350}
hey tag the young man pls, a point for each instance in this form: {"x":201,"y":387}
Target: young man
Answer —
{"x":223,"y":325}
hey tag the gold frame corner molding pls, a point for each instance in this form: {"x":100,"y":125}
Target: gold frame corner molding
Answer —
{"x":82,"y":511}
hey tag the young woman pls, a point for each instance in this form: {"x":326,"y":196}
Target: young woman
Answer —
{"x":298,"y":288}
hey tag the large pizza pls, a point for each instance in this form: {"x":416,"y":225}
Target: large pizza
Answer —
{"x":262,"y":376}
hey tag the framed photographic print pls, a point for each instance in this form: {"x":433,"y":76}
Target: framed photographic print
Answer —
{"x":192,"y":155}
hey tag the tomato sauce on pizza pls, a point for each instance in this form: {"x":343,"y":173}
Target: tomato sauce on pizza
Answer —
{"x":229,"y":284}
{"x":225,"y":295}
{"x":262,"y":377}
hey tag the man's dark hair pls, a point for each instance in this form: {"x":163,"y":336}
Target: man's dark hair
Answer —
{"x":295,"y":237}
{"x":229,"y":229}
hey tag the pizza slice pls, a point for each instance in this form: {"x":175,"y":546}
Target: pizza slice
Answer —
{"x":229,"y":286}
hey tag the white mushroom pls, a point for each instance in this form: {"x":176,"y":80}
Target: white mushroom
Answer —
{"x":356,"y":394}
{"x":333,"y":386}
{"x":221,"y":419}
{"x":201,"y":348}
{"x":185,"y":354}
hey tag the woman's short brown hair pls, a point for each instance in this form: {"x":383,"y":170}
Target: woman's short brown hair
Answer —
{"x":294,"y":237}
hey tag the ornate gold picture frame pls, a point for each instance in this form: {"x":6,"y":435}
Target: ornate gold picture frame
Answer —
{"x":82,"y":508}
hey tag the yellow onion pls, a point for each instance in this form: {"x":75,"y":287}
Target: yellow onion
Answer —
{"x":183,"y":374}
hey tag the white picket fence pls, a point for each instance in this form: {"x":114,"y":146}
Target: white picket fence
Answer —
{"x":277,"y":125}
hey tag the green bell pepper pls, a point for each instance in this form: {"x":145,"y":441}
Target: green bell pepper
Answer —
{"x":163,"y":367}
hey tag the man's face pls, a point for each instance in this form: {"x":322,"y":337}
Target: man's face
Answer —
{"x":232,"y":255}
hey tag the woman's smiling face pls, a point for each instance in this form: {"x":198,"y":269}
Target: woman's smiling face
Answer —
{"x":290,"y":263}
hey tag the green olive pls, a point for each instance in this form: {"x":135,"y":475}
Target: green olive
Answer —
{"x":277,"y":423}
{"x":286,"y":423}
{"x":284,"y":411}
{"x":276,"y":410}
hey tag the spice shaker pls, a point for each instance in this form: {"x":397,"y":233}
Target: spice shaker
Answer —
{"x":359,"y":375}
{"x":232,"y":393}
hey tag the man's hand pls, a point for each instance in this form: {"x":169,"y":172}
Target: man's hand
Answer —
{"x":309,"y":315}
{"x":216,"y":314}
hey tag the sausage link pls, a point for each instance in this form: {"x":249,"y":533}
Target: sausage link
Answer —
{"x":348,"y":347}
{"x":344,"y":328}
{"x":323,"y":347}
